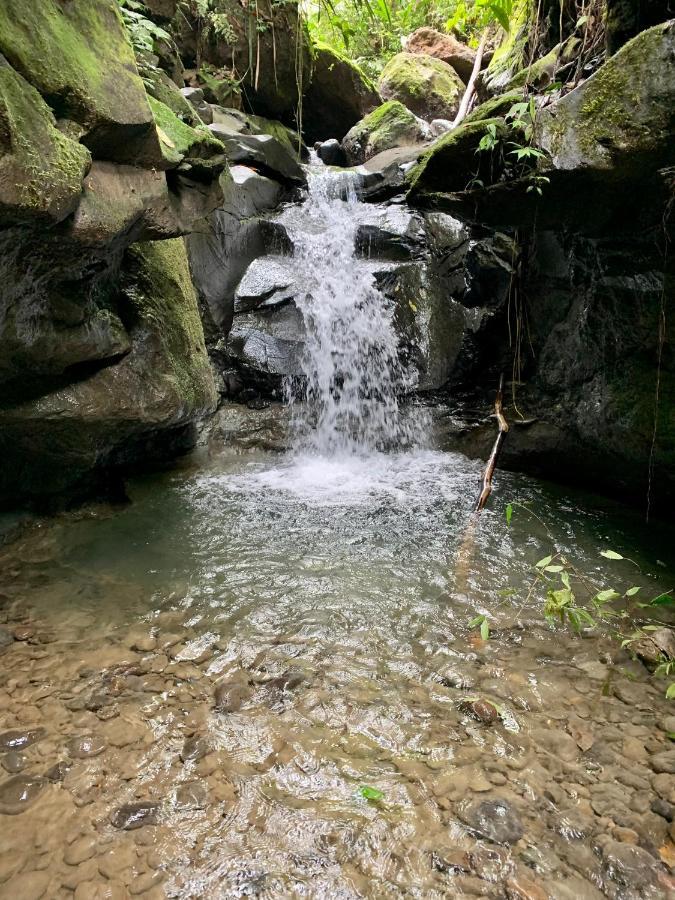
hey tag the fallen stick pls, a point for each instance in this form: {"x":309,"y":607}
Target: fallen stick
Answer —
{"x":503,"y":427}
{"x":470,"y":88}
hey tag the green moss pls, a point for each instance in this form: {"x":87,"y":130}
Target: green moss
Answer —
{"x":165,"y":300}
{"x":452,"y":160}
{"x":509,"y":56}
{"x":495,"y":107}
{"x":390,"y":125}
{"x":41,"y":169}
{"x":331,"y":56}
{"x":77,"y":55}
{"x":161,"y":87}
{"x":428,"y":86}
{"x":179,"y":140}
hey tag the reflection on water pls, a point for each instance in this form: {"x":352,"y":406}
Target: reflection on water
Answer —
{"x":256,"y":640}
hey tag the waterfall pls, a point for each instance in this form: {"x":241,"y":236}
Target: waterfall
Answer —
{"x":349,"y":398}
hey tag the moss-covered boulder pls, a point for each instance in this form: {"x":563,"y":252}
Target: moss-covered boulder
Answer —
{"x":41,"y":169}
{"x":78,"y":56}
{"x":427,"y":86}
{"x":180,"y":141}
{"x":454,"y":161}
{"x":495,"y":107}
{"x":390,"y":125}
{"x":338,"y":96}
{"x":67,"y":440}
{"x":161,"y":87}
{"x":620,"y":122}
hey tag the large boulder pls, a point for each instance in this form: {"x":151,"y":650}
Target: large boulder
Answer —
{"x":625,"y":19}
{"x":62,"y":440}
{"x":390,"y":125}
{"x":79,"y":58}
{"x":339,"y":94}
{"x":265,"y":48}
{"x":427,"y":86}
{"x":41,"y":169}
{"x":445,"y":47}
{"x":620,"y":122}
{"x":262,"y":151}
{"x":453,"y":163}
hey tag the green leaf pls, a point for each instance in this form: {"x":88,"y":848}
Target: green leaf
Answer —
{"x":670,"y":693}
{"x":509,"y":513}
{"x":507,"y":592}
{"x":477,"y":621}
{"x":662,"y":600}
{"x":670,"y":735}
{"x":631,"y":592}
{"x":544,"y":562}
{"x":611,"y":554}
{"x":565,"y":578}
{"x":555,"y":569}
{"x":484,"y":630}
{"x":370,"y":793}
{"x":607,"y":596}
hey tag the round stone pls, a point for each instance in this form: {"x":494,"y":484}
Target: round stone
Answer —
{"x":86,"y":746}
{"x":18,"y":739}
{"x":495,"y":820}
{"x":20,"y":792}
{"x":135,"y":815}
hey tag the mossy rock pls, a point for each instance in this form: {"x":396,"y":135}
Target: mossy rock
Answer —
{"x":495,"y":107}
{"x":390,"y":125}
{"x":178,"y":140}
{"x":219,"y":90}
{"x":453,"y":161}
{"x":70,"y":440}
{"x":620,"y":121}
{"x":161,"y":87}
{"x":78,"y":56}
{"x":509,"y":56}
{"x":426,"y":85}
{"x":41,"y":169}
{"x":339,"y":95}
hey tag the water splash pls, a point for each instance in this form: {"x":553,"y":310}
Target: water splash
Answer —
{"x":349,"y":398}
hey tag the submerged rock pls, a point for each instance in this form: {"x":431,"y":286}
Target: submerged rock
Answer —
{"x":86,"y":747}
{"x":495,"y":820}
{"x":135,"y":815}
{"x":20,"y":792}
{"x":18,"y":739}
{"x":14,"y":762}
{"x":427,"y":86}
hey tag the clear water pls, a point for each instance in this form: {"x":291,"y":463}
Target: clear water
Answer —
{"x":331,"y":588}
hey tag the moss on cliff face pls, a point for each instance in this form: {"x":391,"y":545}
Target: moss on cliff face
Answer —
{"x":78,"y":56}
{"x":165,"y":301}
{"x":620,"y":120}
{"x":41,"y":169}
{"x":426,"y":85}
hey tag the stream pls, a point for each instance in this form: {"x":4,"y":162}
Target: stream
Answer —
{"x":257,"y":678}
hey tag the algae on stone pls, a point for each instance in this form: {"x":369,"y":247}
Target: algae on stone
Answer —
{"x":426,"y":85}
{"x":180,"y":141}
{"x":452,"y":161}
{"x":78,"y":56}
{"x":621,"y":119}
{"x":390,"y":125}
{"x":41,"y":169}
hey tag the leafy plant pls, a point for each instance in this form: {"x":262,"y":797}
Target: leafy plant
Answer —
{"x":371,"y":793}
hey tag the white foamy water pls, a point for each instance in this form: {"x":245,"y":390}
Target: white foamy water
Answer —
{"x":349,"y":401}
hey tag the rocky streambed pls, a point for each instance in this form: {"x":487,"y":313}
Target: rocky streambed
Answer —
{"x":258,"y":679}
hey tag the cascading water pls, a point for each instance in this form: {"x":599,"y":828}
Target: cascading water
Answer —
{"x":349,"y":400}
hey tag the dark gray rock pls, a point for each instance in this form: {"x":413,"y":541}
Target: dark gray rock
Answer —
{"x":194,"y":748}
{"x":195,"y":97}
{"x":630,"y":868}
{"x":394,"y":233}
{"x":331,"y":153}
{"x":14,"y":762}
{"x":263,"y":152}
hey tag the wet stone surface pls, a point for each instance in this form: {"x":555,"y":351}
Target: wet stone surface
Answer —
{"x":258,"y":688}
